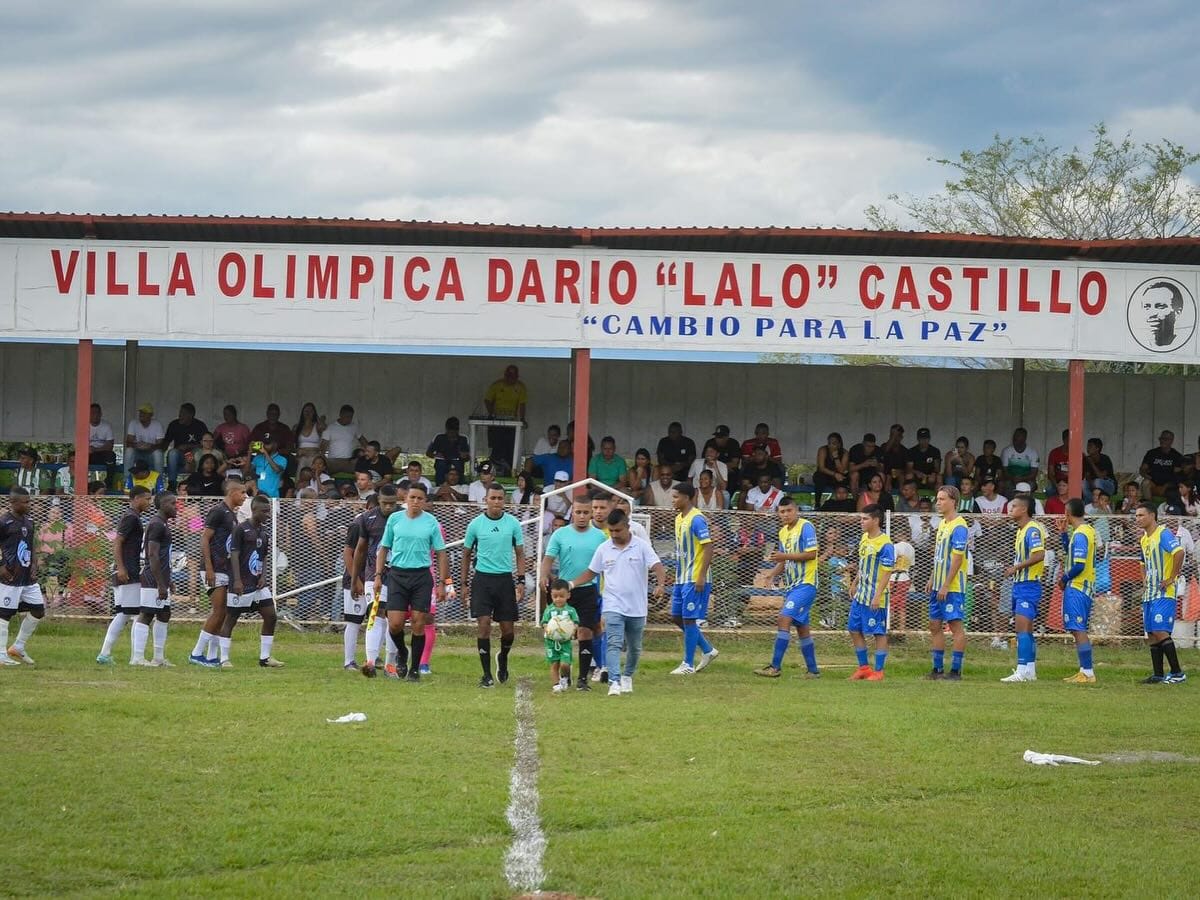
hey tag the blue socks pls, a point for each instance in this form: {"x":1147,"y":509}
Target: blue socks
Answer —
{"x":1085,"y":656}
{"x":702,"y":641}
{"x":880,"y":659}
{"x":956,"y":661}
{"x":1026,"y":648}
{"x":810,"y":654}
{"x":939,"y":659}
{"x":861,"y":653}
{"x":691,"y":638}
{"x":782,"y":639}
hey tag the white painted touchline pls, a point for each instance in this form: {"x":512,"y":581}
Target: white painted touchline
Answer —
{"x":523,"y":862}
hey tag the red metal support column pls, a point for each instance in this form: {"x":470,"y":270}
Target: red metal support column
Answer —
{"x":83,"y":410}
{"x":1075,"y":423}
{"x":581,"y":389}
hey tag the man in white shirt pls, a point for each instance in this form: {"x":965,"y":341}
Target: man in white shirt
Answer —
{"x":625,"y":565}
{"x":989,"y":501}
{"x":709,"y":463}
{"x":659,"y":492}
{"x":764,"y":496}
{"x":100,"y":442}
{"x":477,"y":492}
{"x":1019,"y":461}
{"x":144,"y":440}
{"x":549,"y":443}
{"x":342,"y":437}
{"x":1026,"y":488}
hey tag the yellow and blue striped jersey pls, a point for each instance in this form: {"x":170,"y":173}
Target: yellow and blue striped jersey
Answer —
{"x":876,"y":559}
{"x":799,"y":537}
{"x":1083,"y":552}
{"x":952,"y":536}
{"x":691,"y":534}
{"x":1031,"y":537}
{"x":1157,"y":548}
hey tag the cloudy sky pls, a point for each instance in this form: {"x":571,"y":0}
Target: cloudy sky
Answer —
{"x":579,"y":112}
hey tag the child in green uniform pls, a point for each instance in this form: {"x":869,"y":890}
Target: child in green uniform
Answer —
{"x":558,"y":652}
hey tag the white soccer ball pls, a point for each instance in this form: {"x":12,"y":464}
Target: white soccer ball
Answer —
{"x":560,"y":628}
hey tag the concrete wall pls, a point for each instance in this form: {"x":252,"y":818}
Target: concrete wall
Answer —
{"x":405,"y":399}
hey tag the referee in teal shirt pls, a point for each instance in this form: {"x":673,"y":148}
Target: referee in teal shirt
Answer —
{"x":494,"y":540}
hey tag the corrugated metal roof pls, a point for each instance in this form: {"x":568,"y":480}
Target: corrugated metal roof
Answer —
{"x":832,"y":241}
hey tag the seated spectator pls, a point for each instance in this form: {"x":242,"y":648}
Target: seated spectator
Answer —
{"x":910,"y":501}
{"x":874,"y":494}
{"x":349,"y":491}
{"x":758,"y":465}
{"x":659,"y":492}
{"x":1101,"y":504}
{"x":143,"y":440}
{"x":269,"y":467}
{"x":561,"y":460}
{"x":208,"y":445}
{"x":1026,"y":488}
{"x":181,"y":440}
{"x":1098,"y":468}
{"x":606,"y":466}
{"x":763,"y":497}
{"x":64,"y":478}
{"x":570,"y":436}
{"x":1132,"y":496}
{"x":966,"y":495}
{"x":233,"y":438}
{"x":989,"y":499}
{"x":677,"y":451}
{"x":342,"y":440}
{"x":710,"y":463}
{"x":1161,"y":467}
{"x":141,"y":475}
{"x":833,"y":465}
{"x":1187,"y":499}
{"x":988,"y":465}
{"x":477,"y":492}
{"x":960,"y":463}
{"x":840,"y":501}
{"x":925,"y":462}
{"x":1057,"y":505}
{"x":29,"y":476}
{"x":708,"y":495}
{"x":527,"y":492}
{"x":321,"y":479}
{"x":377,"y":465}
{"x":452,"y":490}
{"x":729,"y":451}
{"x":762,"y":435}
{"x":271,"y":428}
{"x":207,"y":480}
{"x":101,"y":440}
{"x":1057,"y":460}
{"x":638,"y":479}
{"x":560,"y":504}
{"x":895,"y":458}
{"x":866,"y":458}
{"x":364,"y":487}
{"x":1020,"y":461}
{"x":309,"y":434}
{"x":548,"y":443}
{"x":413,"y":474}
{"x":449,"y":450}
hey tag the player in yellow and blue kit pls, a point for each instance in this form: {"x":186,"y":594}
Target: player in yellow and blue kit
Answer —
{"x":869,"y":608}
{"x":1162,"y":558}
{"x":796,"y":560}
{"x":1079,"y":586}
{"x":693,"y":578}
{"x":947,"y":586}
{"x":1029,"y":563}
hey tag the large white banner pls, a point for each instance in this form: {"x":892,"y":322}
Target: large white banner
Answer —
{"x":439,"y":296}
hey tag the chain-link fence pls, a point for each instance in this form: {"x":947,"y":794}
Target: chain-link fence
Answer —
{"x":75,"y":540}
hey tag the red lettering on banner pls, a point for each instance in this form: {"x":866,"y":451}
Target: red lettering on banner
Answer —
{"x":531,"y":283}
{"x":566,"y":280}
{"x":1056,"y":305}
{"x":231,"y":288}
{"x":727,"y":286}
{"x":113,"y":287}
{"x":500,"y":280}
{"x":1002,"y":290}
{"x":412,"y":290}
{"x":939,"y":280}
{"x":690,"y":297}
{"x":90,"y":273}
{"x":362,"y":269}
{"x":1026,"y":303}
{"x":145,"y":288}
{"x":289,"y":278}
{"x":757,"y":297}
{"x":974,"y":274}
{"x":622,"y":267}
{"x":594,"y":282}
{"x":389,"y":271}
{"x":450,"y":284}
{"x":261,"y":291}
{"x":64,"y":277}
{"x":868,"y":291}
{"x":322,"y":279}
{"x":1093,"y":283}
{"x":795,"y":299}
{"x":906,"y":290}
{"x":181,"y":277}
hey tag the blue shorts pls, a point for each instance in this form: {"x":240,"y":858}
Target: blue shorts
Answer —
{"x":798,"y":603}
{"x":948,"y":610}
{"x":688,"y":603}
{"x":1158,"y":615}
{"x":1026,"y":597}
{"x":865,"y":620}
{"x":1077,"y":609}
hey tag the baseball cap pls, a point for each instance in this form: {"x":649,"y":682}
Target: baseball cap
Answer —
{"x":1023,"y":487}
{"x":140,"y":466}
{"x":28,"y":451}
{"x":922,"y":433}
{"x":147,"y":408}
{"x":722,"y":431}
{"x":560,"y":475}
{"x":485,"y":467}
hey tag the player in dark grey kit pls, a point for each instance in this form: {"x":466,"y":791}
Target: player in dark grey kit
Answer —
{"x":216,"y":541}
{"x":155,"y":591}
{"x":19,"y":590}
{"x":249,"y":552}
{"x":127,"y":588}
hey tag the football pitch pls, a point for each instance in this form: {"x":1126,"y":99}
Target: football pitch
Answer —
{"x":151,"y":782}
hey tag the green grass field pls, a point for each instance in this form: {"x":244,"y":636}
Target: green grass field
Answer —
{"x":153,"y":783}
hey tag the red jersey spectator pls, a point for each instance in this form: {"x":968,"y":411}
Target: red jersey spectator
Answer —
{"x":762,"y":435}
{"x":272,"y":429}
{"x":1057,"y":505}
{"x":233,"y":437}
{"x":1058,"y":462}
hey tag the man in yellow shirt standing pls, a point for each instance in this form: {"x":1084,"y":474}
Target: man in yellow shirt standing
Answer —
{"x":505,"y":399}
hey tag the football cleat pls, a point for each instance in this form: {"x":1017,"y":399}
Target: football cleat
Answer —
{"x":861,"y":673}
{"x":162,"y":664}
{"x":767,"y":672}
{"x":104,"y":660}
{"x":20,"y":656}
{"x":706,"y":658}
{"x":683,"y":669}
{"x":1080,"y":678}
{"x":875,"y":675}
{"x":270,"y":662}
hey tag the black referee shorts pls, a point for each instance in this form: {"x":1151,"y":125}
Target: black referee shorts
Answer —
{"x":586,"y":600}
{"x":494,"y":596}
{"x":409,"y":589}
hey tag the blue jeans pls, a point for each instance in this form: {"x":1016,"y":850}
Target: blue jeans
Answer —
{"x":617,"y":628}
{"x":152,"y":458}
{"x":176,"y":464}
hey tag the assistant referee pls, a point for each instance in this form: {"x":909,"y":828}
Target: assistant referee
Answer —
{"x":494,"y":537}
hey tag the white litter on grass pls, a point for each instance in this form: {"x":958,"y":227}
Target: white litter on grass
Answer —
{"x":348,"y":717}
{"x":523,"y":862}
{"x":1057,"y":759}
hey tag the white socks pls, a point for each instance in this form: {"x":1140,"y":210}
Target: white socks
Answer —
{"x":28,"y":627}
{"x":160,"y":638}
{"x":375,"y":639}
{"x":350,"y":642}
{"x":115,"y":627}
{"x":201,"y":648}
{"x":264,"y":645}
{"x":224,"y":644}
{"x":3,"y":634}
{"x":140,"y":633}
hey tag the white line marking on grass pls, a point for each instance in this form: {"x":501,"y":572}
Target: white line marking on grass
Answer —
{"x":523,"y":862}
